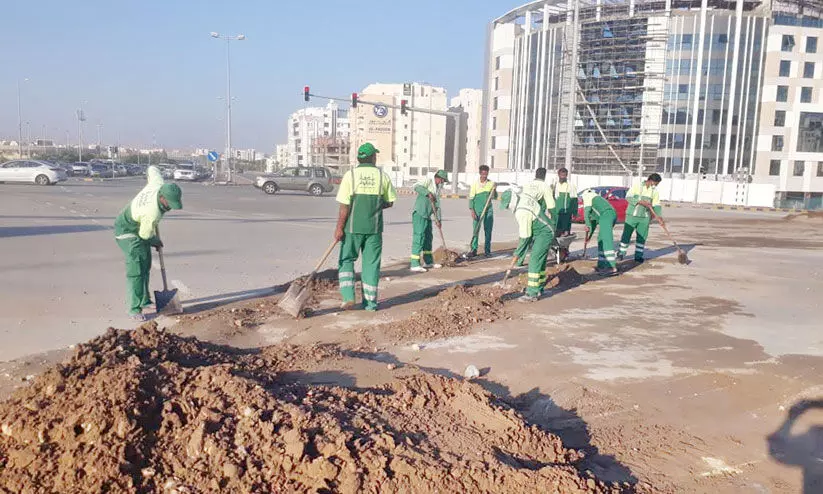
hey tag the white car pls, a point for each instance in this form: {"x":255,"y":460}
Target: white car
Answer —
{"x":185,"y":172}
{"x":32,"y":171}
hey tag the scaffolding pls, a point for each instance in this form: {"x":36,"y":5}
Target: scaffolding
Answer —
{"x":617,"y":76}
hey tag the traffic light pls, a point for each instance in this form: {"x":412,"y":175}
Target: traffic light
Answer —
{"x":354,"y":100}
{"x":403,"y":107}
{"x":305,"y":93}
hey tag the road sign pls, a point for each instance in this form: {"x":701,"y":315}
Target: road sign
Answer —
{"x":213,"y":156}
{"x":380,"y":111}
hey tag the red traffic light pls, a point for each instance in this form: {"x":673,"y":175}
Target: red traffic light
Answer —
{"x":403,"y":106}
{"x":305,"y":93}
{"x":354,"y":100}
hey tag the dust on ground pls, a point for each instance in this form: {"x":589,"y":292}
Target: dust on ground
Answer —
{"x":453,"y":312}
{"x":150,"y":411}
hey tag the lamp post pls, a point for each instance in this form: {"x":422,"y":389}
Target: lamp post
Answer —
{"x":81,"y":117}
{"x":20,"y":119}
{"x":229,"y":39}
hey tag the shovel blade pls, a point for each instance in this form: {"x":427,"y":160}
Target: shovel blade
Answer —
{"x":295,"y":299}
{"x":682,"y":258}
{"x":167,"y":302}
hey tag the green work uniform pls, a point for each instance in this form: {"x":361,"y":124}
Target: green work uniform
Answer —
{"x":598,"y":212}
{"x":135,"y":230}
{"x":366,"y":190}
{"x":638,"y":218}
{"x":535,"y":231}
{"x":478,"y":195}
{"x":565,"y":199}
{"x":422,"y":233}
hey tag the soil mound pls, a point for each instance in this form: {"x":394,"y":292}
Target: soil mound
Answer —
{"x":445,"y":257}
{"x":453,"y":312}
{"x":807,"y":216}
{"x":148,"y":411}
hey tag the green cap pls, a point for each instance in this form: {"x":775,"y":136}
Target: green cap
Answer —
{"x":173,"y":195}
{"x":442,"y":174}
{"x":366,"y":151}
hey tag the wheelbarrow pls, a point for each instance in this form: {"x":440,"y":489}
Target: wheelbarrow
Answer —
{"x":560,"y":247}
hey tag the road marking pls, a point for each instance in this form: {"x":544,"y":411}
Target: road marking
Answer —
{"x":63,"y":208}
{"x":72,"y":211}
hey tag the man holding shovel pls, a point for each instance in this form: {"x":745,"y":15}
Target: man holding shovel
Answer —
{"x":644,"y":204}
{"x":426,"y":205}
{"x":363,"y":195}
{"x":598,"y":212}
{"x":565,"y":198}
{"x":535,"y":204}
{"x":135,"y":230}
{"x":480,"y":196}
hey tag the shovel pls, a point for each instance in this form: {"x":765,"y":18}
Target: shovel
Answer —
{"x":451,"y":256}
{"x":167,"y":301}
{"x":682,"y":258}
{"x":299,"y":292}
{"x":508,"y":272}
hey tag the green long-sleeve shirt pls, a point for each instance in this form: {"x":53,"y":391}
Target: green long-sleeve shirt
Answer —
{"x":422,"y":205}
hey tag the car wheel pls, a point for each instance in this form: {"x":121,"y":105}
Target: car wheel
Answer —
{"x":316,"y":190}
{"x":42,"y":180}
{"x":269,"y":188}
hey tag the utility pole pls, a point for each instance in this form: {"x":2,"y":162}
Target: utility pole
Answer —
{"x":81,"y":117}
{"x":20,"y":120}
{"x":229,"y":39}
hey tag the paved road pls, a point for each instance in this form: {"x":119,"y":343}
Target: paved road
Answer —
{"x":63,"y":273}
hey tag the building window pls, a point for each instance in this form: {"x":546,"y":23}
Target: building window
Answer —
{"x":496,"y":63}
{"x":413,"y":171}
{"x":491,"y":164}
{"x":774,"y":167}
{"x":782,"y":94}
{"x":686,"y":42}
{"x":683,"y":88}
{"x":820,"y":168}
{"x":495,"y":103}
{"x":811,"y":44}
{"x":799,"y":168}
{"x":808,"y":70}
{"x":496,"y":83}
{"x":777,"y":143}
{"x":780,"y":118}
{"x":494,"y":123}
{"x":809,"y":130}
{"x":805,"y":95}
{"x":788,"y":42}
{"x":715,"y":116}
{"x":785,"y":68}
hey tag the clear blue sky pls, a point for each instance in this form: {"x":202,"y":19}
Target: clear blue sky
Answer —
{"x":150,"y":68}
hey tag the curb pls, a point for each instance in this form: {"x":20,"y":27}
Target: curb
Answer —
{"x":718,"y":207}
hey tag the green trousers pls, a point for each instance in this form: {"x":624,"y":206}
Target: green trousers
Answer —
{"x":606,"y":256}
{"x":138,"y":267}
{"x":488,"y":224}
{"x":421,"y":240}
{"x":542,"y":238}
{"x":371,"y":246}
{"x":564,"y":221}
{"x":639,"y":225}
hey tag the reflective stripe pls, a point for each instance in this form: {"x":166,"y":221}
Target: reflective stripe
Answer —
{"x":534,"y":275}
{"x":371,"y":298}
{"x":624,"y":245}
{"x":609,"y":251}
{"x":415,"y":257}
{"x":346,"y":284}
{"x":369,"y":288}
{"x":534,"y":284}
{"x":641,"y":246}
{"x":125,"y":236}
{"x":425,"y":252}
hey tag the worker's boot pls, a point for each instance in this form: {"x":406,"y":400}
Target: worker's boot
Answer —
{"x":418,"y":269}
{"x":527,"y":299}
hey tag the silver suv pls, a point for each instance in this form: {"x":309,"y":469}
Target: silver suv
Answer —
{"x":316,"y":180}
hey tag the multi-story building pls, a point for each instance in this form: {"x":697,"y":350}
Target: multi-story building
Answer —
{"x":308,"y":124}
{"x":724,"y":90}
{"x":470,"y":103}
{"x":410,"y":145}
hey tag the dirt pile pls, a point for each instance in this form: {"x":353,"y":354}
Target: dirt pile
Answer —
{"x":807,"y":216}
{"x":445,"y":257}
{"x":453,"y":312}
{"x":559,"y":277}
{"x":148,"y":411}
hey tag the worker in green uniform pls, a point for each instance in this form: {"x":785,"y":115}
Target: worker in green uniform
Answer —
{"x":135,"y":230}
{"x":478,"y":195}
{"x":565,"y":198}
{"x":533,"y":213}
{"x":598,"y":212}
{"x":644,"y":204}
{"x":426,"y":206}
{"x":363,"y":195}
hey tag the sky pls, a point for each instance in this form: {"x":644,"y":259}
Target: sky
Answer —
{"x":148,"y":72}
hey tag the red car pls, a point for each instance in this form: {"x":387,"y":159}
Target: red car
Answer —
{"x":616,"y":197}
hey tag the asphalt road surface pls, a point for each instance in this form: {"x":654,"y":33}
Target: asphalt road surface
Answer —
{"x":63,"y":274}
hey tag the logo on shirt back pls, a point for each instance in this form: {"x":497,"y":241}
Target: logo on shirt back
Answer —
{"x":366,"y":182}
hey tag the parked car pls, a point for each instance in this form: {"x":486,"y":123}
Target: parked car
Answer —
{"x":166,"y":170}
{"x":185,"y":171}
{"x":616,"y":197}
{"x":99,"y":170}
{"x":81,"y":169}
{"x":32,"y":171}
{"x":120,"y":170}
{"x":314,"y":180}
{"x":504,"y":186}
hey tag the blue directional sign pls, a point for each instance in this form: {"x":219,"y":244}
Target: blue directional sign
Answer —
{"x":213,"y":156}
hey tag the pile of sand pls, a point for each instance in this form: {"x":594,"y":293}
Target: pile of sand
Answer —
{"x":445,"y":257}
{"x":806,"y":216}
{"x":148,"y":411}
{"x":453,"y":312}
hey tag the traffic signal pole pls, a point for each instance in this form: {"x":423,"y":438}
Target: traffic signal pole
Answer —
{"x":404,"y":109}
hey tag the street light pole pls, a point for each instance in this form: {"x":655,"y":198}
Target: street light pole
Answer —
{"x":20,"y":120}
{"x":229,"y":39}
